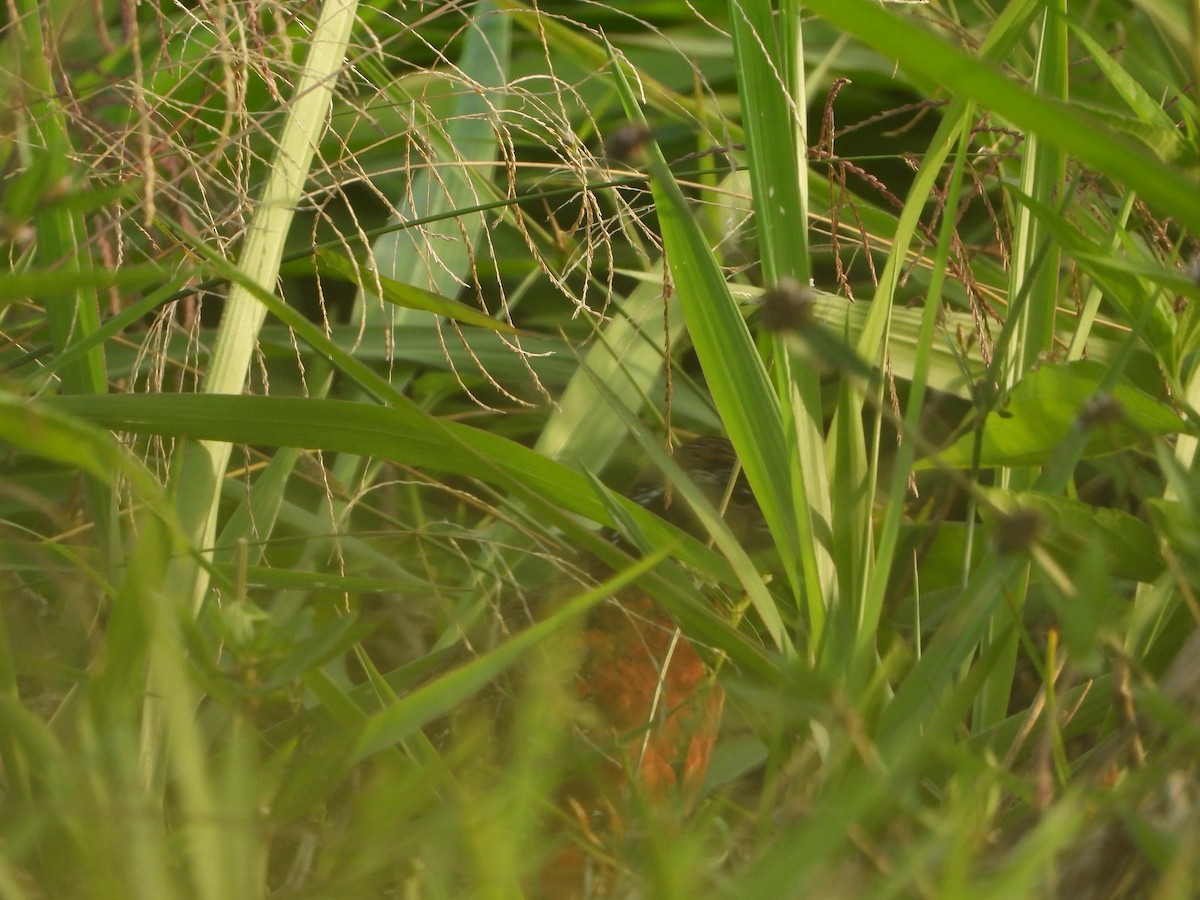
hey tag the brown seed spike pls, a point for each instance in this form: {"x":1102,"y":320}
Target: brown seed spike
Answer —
{"x":626,"y":143}
{"x":1102,"y":409}
{"x":1016,"y":532}
{"x":788,"y":306}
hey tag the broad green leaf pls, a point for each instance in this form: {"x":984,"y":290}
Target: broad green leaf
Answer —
{"x":627,"y":357}
{"x":1047,"y":404}
{"x":1130,"y":546}
{"x":461,"y":164}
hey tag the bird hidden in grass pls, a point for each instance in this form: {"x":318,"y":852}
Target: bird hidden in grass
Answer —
{"x":645,"y":709}
{"x":655,"y":708}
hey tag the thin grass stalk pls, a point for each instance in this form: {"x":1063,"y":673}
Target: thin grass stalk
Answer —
{"x":1091,"y":304}
{"x":1165,"y":187}
{"x":875,"y":334}
{"x":204,"y":463}
{"x":1187,"y":444}
{"x":770,"y":57}
{"x":864,"y":650}
{"x":62,"y":244}
{"x":1043,"y":170}
{"x":956,"y":641}
{"x":61,"y":233}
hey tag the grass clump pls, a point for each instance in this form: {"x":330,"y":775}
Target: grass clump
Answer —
{"x":336,"y":340}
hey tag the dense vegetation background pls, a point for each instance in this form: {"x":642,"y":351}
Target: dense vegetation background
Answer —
{"x":331,"y":333}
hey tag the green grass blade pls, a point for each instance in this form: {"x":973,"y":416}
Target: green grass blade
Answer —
{"x":770,"y":55}
{"x":403,"y":434}
{"x":735,"y":373}
{"x":1043,"y":171}
{"x":204,"y":465}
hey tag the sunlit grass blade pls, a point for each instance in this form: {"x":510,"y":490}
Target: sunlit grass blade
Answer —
{"x":204,"y":465}
{"x":770,"y":53}
{"x":735,"y":373}
{"x":403,"y":434}
{"x":628,"y":357}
